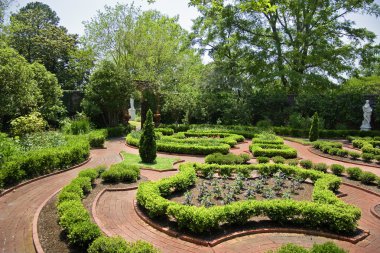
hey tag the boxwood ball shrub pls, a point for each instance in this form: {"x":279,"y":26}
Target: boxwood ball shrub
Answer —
{"x":326,"y":211}
{"x":321,"y":167}
{"x":367,"y":177}
{"x":147,"y":147}
{"x":368,"y":157}
{"x":354,"y":155}
{"x":354,"y":173}
{"x":337,"y":169}
{"x":306,"y":164}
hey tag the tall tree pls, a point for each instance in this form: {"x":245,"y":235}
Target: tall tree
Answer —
{"x":301,"y":43}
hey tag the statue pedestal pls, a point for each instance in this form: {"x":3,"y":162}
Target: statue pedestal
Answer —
{"x":365,"y":127}
{"x":132,"y":113}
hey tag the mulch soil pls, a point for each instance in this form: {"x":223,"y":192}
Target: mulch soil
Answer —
{"x":51,"y":235}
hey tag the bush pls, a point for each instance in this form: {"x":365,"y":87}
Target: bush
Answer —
{"x":368,"y":157}
{"x":314,"y":129}
{"x":143,"y":247}
{"x":84,"y":183}
{"x":262,"y":159}
{"x":337,"y":169}
{"x":377,"y":158}
{"x":306,"y":164}
{"x":278,"y":159}
{"x":83,"y":233}
{"x":271,"y":150}
{"x":147,"y":147}
{"x":292,"y":162}
{"x":90,"y":173}
{"x":105,"y":244}
{"x":121,"y":172}
{"x":320,"y":167}
{"x":230,"y":158}
{"x":119,"y":131}
{"x":80,"y":126}
{"x":97,"y":138}
{"x":378,"y":181}
{"x":354,"y":155}
{"x":367,"y":177}
{"x":342,"y":153}
{"x":290,"y":248}
{"x":100,"y":169}
{"x":327,"y":247}
{"x":164,"y":131}
{"x":354,"y":173}
{"x":28,"y":124}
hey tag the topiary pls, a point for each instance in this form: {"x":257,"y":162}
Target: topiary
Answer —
{"x":83,"y":233}
{"x":314,"y":129}
{"x":337,"y":169}
{"x":147,"y":147}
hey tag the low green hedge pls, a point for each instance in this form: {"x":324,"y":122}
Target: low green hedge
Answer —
{"x":327,"y":247}
{"x":43,"y":161}
{"x":267,"y":139}
{"x":165,"y":131}
{"x":121,"y":172}
{"x":271,"y":150}
{"x":326,"y":134}
{"x":119,"y":131}
{"x":230,"y":158}
{"x":325,"y":211}
{"x":97,"y":138}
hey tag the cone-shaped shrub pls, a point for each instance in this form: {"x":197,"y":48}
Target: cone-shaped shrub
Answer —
{"x":147,"y":149}
{"x":314,"y":131}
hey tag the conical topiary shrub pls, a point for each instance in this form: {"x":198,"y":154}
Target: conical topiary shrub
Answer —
{"x":314,"y":131}
{"x":148,"y":149}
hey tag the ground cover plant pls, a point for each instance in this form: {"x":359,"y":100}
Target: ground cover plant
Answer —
{"x":270,"y":145}
{"x":333,"y":213}
{"x":161,"y":163}
{"x":198,"y":143}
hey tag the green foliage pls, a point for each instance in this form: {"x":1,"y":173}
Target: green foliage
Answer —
{"x":354,"y":173}
{"x":41,"y":140}
{"x":90,"y":173}
{"x":368,"y":157}
{"x":262,"y":159}
{"x":97,"y":138}
{"x":80,"y":126}
{"x":121,"y":172}
{"x":307,"y":164}
{"x":337,"y":169}
{"x":320,"y":167}
{"x":8,"y":147}
{"x":230,"y":158}
{"x":272,"y":150}
{"x":327,"y":247}
{"x":105,"y":244}
{"x":147,"y":147}
{"x":164,"y":131}
{"x":119,"y":131}
{"x":367,"y":177}
{"x":278,"y":159}
{"x":314,"y":129}
{"x":290,"y":248}
{"x":292,"y":162}
{"x":143,"y":247}
{"x":83,"y":233}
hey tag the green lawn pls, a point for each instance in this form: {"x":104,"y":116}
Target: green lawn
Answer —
{"x":161,"y":163}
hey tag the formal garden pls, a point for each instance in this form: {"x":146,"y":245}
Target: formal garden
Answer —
{"x":127,"y":139}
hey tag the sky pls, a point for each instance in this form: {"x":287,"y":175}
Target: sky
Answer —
{"x":74,"y":12}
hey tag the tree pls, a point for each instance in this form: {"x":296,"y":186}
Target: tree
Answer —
{"x":107,"y":94}
{"x":300,"y":43}
{"x":147,"y":147}
{"x":314,"y":129}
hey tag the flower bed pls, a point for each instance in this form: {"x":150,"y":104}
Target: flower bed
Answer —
{"x":326,"y":211}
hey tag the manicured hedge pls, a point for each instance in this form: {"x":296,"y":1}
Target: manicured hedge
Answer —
{"x":119,"y":131}
{"x":121,"y":172}
{"x":325,"y":211}
{"x":286,"y":131}
{"x":164,"y":131}
{"x":230,"y":158}
{"x":327,"y":247}
{"x":271,"y":150}
{"x":97,"y":138}
{"x":43,"y":161}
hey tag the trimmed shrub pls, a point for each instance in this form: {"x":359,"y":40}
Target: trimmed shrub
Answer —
{"x":83,"y":233}
{"x":327,"y":247}
{"x":378,"y":181}
{"x":321,"y":167}
{"x":377,"y":158}
{"x":314,"y":129}
{"x":342,"y":153}
{"x":90,"y":173}
{"x":290,"y":248}
{"x":230,"y":158}
{"x":80,"y":126}
{"x":121,"y":172}
{"x":100,"y":169}
{"x":278,"y":159}
{"x":368,"y":157}
{"x":367,"y":177}
{"x":97,"y":138}
{"x":84,"y":183}
{"x":105,"y":244}
{"x":354,"y":155}
{"x":271,"y":150}
{"x":164,"y":131}
{"x":306,"y":164}
{"x":354,"y":173}
{"x":147,"y":147}
{"x":292,"y":162}
{"x":262,"y":159}
{"x":337,"y":169}
{"x":143,"y":247}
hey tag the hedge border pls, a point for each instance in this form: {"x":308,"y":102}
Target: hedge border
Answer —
{"x":42,"y":177}
{"x":149,"y":196}
{"x":285,"y":151}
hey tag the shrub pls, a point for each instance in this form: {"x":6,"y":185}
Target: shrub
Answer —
{"x":278,"y":159}
{"x":307,"y":164}
{"x":143,"y":247}
{"x":354,"y":155}
{"x":354,"y":173}
{"x":73,"y":215}
{"x":84,"y":183}
{"x":80,"y":126}
{"x":105,"y":244}
{"x":368,"y":157}
{"x":327,"y":247}
{"x":83,"y":233}
{"x":314,"y":129}
{"x":90,"y":173}
{"x":337,"y":169}
{"x":271,"y":150}
{"x":290,"y":248}
{"x":121,"y":172}
{"x":292,"y":162}
{"x":119,"y":131}
{"x":378,"y":181}
{"x":100,"y":169}
{"x":165,"y":131}
{"x":28,"y":124}
{"x":320,"y":167}
{"x":342,"y":153}
{"x":230,"y":158}
{"x":377,"y":158}
{"x":367,"y":177}
{"x":262,"y":159}
{"x":147,"y":147}
{"x":97,"y":138}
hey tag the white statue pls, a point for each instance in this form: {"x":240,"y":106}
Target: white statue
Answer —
{"x":367,"y":112}
{"x":132,"y":110}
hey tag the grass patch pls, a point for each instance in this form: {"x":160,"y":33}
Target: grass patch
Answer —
{"x":302,"y":141}
{"x":161,"y":162}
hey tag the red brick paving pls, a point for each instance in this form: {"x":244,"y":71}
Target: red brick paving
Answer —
{"x":116,"y":212}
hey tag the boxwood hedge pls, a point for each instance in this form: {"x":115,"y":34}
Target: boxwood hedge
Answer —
{"x":271,"y":150}
{"x":325,"y":211}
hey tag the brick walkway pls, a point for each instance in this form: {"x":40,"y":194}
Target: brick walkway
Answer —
{"x":116,"y":212}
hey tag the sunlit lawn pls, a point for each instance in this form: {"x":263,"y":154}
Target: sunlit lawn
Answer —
{"x":161,"y":163}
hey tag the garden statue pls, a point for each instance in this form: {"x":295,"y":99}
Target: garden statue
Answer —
{"x":367,"y":111}
{"x":132,"y":110}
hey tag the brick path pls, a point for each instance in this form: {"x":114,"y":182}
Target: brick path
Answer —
{"x":116,"y":212}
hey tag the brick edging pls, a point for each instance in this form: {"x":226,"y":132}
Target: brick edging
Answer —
{"x":224,"y":238}
{"x":36,"y":239}
{"x":362,"y":189}
{"x":314,"y":151}
{"x":42,"y":177}
{"x":374,"y":213}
